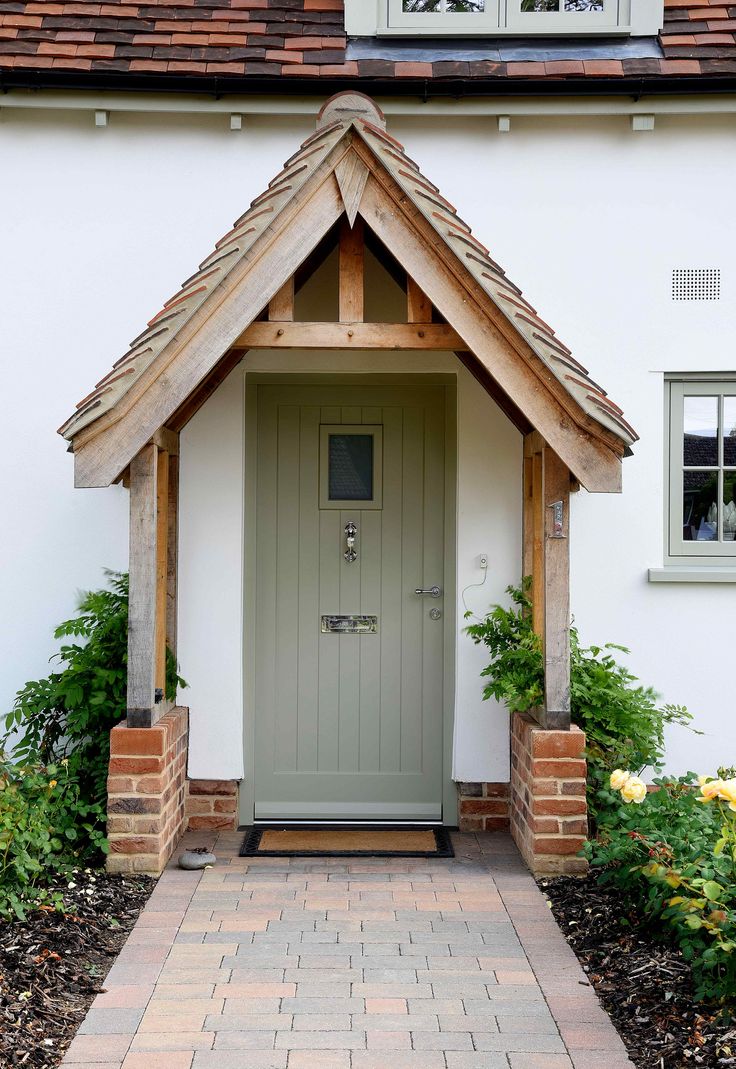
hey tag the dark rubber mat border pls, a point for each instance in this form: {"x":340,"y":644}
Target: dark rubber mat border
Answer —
{"x":251,"y":843}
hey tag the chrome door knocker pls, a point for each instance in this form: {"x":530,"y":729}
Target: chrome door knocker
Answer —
{"x":351,"y":531}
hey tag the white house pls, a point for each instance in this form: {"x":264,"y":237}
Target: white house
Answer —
{"x":348,"y":424}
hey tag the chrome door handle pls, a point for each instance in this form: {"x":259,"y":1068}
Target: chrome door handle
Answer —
{"x":432,"y":591}
{"x":351,"y":531}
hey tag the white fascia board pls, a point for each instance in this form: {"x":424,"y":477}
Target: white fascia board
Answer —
{"x":442,"y":107}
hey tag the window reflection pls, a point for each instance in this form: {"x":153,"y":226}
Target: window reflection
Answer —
{"x":700,"y":446}
{"x":700,"y":508}
{"x":729,"y":506}
{"x":450,"y":7}
{"x":729,"y":430}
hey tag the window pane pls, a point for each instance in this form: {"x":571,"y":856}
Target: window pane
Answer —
{"x":729,"y":430}
{"x":700,"y":509}
{"x":454,"y":7}
{"x":540,"y":5}
{"x":701,"y":431}
{"x":583,"y":5}
{"x":351,"y":467}
{"x":729,"y":506}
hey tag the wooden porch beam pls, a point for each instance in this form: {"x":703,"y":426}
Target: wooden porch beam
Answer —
{"x":348,"y":336}
{"x":162,"y":563}
{"x":418,"y":304}
{"x":172,"y":555}
{"x":556,"y":592}
{"x":141,"y":699}
{"x":281,"y":305}
{"x":351,"y":272}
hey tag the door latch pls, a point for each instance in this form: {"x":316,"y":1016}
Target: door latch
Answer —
{"x":351,"y":531}
{"x":432,"y":591}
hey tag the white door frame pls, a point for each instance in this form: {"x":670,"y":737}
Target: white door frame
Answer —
{"x":246,"y":798}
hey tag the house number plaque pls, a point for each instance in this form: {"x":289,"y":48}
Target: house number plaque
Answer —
{"x":350,"y":625}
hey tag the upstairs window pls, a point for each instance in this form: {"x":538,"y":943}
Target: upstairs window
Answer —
{"x":493,"y":18}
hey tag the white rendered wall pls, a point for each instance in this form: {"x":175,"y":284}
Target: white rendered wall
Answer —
{"x":101,"y":225}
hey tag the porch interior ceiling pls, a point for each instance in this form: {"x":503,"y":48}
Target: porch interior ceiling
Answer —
{"x":345,"y":117}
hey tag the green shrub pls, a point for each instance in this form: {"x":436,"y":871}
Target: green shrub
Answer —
{"x":55,"y":753}
{"x":46,"y":827}
{"x":622,"y":720}
{"x":674,"y":856}
{"x":69,"y":714}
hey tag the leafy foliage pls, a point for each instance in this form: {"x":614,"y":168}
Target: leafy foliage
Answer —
{"x":69,"y":714}
{"x":622,"y":720}
{"x":54,"y":755}
{"x":46,"y":827}
{"x":674,"y":856}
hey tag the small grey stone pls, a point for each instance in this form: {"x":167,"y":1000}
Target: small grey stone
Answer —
{"x":196,"y":859}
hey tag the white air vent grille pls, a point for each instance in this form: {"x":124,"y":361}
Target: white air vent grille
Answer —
{"x":696,"y":284}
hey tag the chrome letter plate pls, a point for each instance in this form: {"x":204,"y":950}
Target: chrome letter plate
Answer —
{"x":350,"y":625}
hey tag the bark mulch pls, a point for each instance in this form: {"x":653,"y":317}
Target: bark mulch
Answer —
{"x":644,"y":984}
{"x":53,"y":963}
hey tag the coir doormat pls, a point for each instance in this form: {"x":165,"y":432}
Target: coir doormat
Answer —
{"x":347,"y":842}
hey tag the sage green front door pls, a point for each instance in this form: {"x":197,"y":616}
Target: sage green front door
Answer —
{"x":349,"y":656}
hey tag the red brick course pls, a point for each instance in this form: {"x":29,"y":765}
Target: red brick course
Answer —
{"x":212,"y":804}
{"x":483,"y":806}
{"x":548,"y":807}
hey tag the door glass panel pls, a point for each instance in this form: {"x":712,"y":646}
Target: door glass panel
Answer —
{"x":700,"y":446}
{"x":729,"y":430}
{"x":700,"y":509}
{"x":350,"y":467}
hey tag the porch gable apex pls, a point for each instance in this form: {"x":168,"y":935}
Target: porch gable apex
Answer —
{"x":373,"y":176}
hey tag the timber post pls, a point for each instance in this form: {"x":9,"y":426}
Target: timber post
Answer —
{"x":546,"y":558}
{"x":152,"y":572}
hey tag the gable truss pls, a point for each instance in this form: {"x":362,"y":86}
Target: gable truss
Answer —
{"x":342,"y":172}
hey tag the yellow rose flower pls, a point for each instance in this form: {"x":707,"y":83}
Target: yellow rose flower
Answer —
{"x":618,"y":778}
{"x":52,"y":784}
{"x":728,"y":793}
{"x":634,"y":790}
{"x":703,"y":780}
{"x":710,"y":790}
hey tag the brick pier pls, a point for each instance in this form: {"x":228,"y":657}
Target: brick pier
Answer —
{"x":549,"y":820}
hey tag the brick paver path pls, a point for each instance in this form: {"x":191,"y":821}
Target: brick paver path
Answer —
{"x":349,"y":964}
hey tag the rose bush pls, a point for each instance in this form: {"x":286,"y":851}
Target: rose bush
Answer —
{"x":675,"y":857}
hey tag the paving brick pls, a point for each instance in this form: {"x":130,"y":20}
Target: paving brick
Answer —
{"x":320,"y":1040}
{"x":266,"y":1059}
{"x":172,"y":1059}
{"x":124,"y":996}
{"x":399,"y":1060}
{"x":97,"y":1049}
{"x":177,"y":1040}
{"x":324,"y":1059}
{"x":388,"y":1041}
{"x":109,"y":1022}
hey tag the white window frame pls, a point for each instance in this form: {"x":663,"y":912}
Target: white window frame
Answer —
{"x":704,"y":554}
{"x":385,"y":18}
